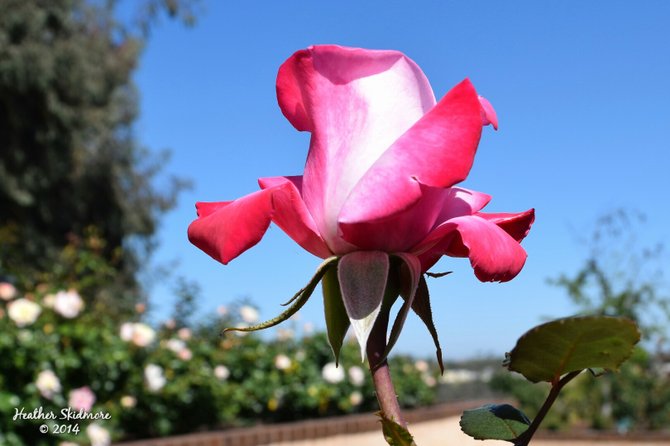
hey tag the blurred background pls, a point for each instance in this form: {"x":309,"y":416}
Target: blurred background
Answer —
{"x":117,"y":116}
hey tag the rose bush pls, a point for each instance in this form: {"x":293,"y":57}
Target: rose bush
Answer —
{"x":167,"y":380}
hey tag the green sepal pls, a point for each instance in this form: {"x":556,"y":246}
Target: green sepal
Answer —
{"x":421,"y":306}
{"x":337,"y":321}
{"x":395,"y":434}
{"x":438,"y":275}
{"x":406,"y":287}
{"x":550,"y":350}
{"x":302,"y":297}
{"x":494,"y":422}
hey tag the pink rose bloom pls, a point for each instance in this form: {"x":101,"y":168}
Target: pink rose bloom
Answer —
{"x":379,"y":186}
{"x":81,"y":399}
{"x":383,"y":161}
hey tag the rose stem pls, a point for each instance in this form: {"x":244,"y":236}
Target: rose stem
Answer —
{"x":524,"y":439}
{"x":381,"y":375}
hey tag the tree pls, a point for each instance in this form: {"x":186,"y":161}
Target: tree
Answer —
{"x":621,"y":278}
{"x":70,"y":164}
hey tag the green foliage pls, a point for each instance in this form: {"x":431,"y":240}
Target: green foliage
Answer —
{"x":494,"y":422}
{"x":566,"y":345}
{"x":623,"y":276}
{"x":555,"y":352}
{"x":69,"y":158}
{"x":395,"y":434}
{"x":174,"y":379}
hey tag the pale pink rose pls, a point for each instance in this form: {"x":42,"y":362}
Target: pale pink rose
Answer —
{"x":7,"y":291}
{"x":356,"y":398}
{"x":128,"y":401}
{"x":138,"y":333}
{"x":184,"y":334}
{"x":68,"y":304}
{"x":82,"y":398}
{"x":185,"y":354}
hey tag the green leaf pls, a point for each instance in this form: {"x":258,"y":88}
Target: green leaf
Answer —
{"x":337,"y":321}
{"x":550,"y":350}
{"x":298,"y":302}
{"x":494,"y":422}
{"x":395,"y":434}
{"x":421,"y":306}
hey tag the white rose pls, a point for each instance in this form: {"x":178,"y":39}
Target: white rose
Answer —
{"x":48,"y":384}
{"x":282,"y":362}
{"x":153,"y":375}
{"x":221,"y":372}
{"x":98,"y":435}
{"x":249,"y":314}
{"x":356,"y":398}
{"x":128,"y":401}
{"x":332,"y":374}
{"x":356,"y":376}
{"x":175,"y":345}
{"x":23,"y":312}
{"x":68,"y":304}
{"x":137,"y":333}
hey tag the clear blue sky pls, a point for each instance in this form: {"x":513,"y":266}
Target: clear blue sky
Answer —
{"x":581,"y":90}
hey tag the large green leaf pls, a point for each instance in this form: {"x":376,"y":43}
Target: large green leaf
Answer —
{"x":395,"y":434}
{"x":337,"y":321}
{"x":494,"y":422}
{"x":297,"y":301}
{"x":550,"y":350}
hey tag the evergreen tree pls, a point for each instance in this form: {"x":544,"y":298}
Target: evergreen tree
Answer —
{"x":69,"y":160}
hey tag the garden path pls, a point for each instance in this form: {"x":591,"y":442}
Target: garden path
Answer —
{"x":444,"y":432}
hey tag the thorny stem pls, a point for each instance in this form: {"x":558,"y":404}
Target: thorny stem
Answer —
{"x":381,"y":375}
{"x":524,"y":439}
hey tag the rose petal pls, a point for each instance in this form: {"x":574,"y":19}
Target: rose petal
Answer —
{"x":437,"y":151}
{"x":343,"y":96}
{"x":226,"y":230}
{"x":489,"y":115}
{"x":493,"y":253}
{"x":517,"y":225}
{"x":292,"y":216}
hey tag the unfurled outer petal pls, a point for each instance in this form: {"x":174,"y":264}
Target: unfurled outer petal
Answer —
{"x":516,"y":225}
{"x":437,"y":151}
{"x":494,"y":254}
{"x":227,"y":229}
{"x":356,"y":103}
{"x":291,"y":214}
{"x":489,"y":115}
